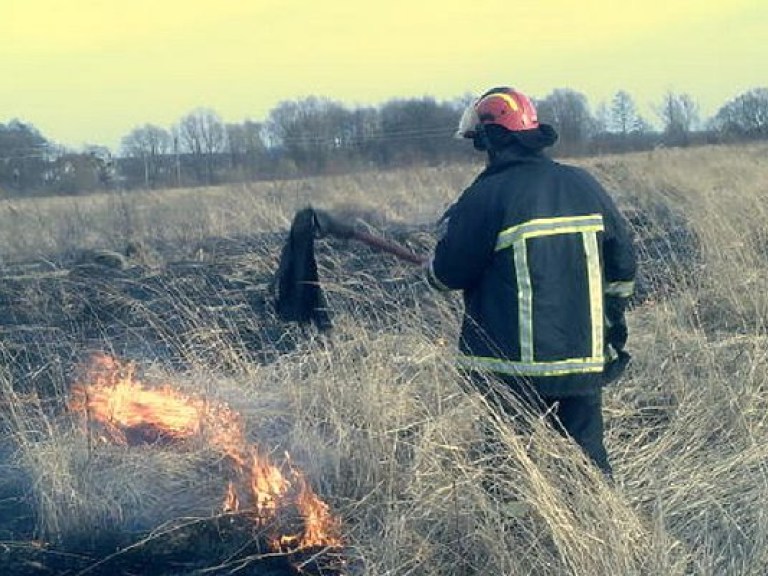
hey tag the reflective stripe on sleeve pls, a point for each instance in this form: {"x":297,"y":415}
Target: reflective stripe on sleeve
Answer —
{"x":434,"y":281}
{"x":621,"y":289}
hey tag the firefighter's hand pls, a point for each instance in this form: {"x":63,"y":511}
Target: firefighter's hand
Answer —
{"x":616,"y":330}
{"x":616,"y":365}
{"x":616,"y":335}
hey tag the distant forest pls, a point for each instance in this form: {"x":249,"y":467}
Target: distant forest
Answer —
{"x":317,"y":135}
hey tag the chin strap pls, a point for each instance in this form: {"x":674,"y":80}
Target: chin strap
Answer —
{"x":480,"y":139}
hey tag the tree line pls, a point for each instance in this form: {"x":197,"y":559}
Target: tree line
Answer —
{"x":317,"y":135}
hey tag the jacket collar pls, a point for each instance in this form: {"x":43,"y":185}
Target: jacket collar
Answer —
{"x":512,"y":155}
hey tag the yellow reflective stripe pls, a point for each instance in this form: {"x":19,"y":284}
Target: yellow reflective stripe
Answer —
{"x":595,"y":279}
{"x":524,"y":300}
{"x":558,"y":368}
{"x":549,"y":226}
{"x":434,"y":280}
{"x":622,"y":289}
{"x":506,"y":97}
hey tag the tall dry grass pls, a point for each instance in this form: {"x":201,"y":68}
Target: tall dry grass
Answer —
{"x":388,"y":431}
{"x":37,"y":228}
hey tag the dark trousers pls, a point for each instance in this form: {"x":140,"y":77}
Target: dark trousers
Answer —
{"x":577,"y":417}
{"x":581,"y":418}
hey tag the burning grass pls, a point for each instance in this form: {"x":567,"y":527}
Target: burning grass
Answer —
{"x":377,"y":421}
{"x":129,"y":413}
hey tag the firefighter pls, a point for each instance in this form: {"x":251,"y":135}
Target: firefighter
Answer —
{"x":546,"y":265}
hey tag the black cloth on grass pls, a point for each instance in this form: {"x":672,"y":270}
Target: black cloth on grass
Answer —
{"x":299,"y":297}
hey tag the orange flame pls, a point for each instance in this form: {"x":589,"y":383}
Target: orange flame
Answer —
{"x":231,"y":501}
{"x":317,"y":517}
{"x":128,"y":412}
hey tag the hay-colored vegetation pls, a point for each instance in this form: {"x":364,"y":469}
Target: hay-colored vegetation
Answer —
{"x":375,"y":414}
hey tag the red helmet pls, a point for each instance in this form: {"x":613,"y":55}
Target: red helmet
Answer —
{"x":505,"y":107}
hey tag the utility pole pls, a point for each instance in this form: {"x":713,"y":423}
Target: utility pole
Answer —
{"x":146,"y":170}
{"x":177,"y":160}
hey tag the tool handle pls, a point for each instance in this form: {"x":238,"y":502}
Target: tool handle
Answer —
{"x":325,"y":223}
{"x":388,"y":246}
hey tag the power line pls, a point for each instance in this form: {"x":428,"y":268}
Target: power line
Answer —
{"x":342,"y":139}
{"x":336,"y":141}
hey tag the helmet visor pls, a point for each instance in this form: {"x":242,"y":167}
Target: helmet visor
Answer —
{"x":468,"y":123}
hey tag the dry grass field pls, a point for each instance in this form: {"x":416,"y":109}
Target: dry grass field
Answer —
{"x":379,"y":426}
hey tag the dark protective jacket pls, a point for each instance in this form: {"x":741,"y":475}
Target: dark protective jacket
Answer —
{"x":543,"y":256}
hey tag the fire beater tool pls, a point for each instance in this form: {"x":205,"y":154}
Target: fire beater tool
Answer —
{"x":298,"y":296}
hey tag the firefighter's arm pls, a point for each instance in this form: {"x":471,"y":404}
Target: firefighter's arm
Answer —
{"x":620,"y":270}
{"x":467,"y":243}
{"x":619,"y":260}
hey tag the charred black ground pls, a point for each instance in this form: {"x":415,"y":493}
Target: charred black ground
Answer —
{"x":213,"y":304}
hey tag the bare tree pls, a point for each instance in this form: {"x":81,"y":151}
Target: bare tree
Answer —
{"x":602,"y":118}
{"x":310,"y":130}
{"x":25,"y":156}
{"x":623,"y":113}
{"x":568,"y":111}
{"x":679,"y":114}
{"x":418,"y":130}
{"x":364,"y":134}
{"x":246,"y":148}
{"x":203,"y":137}
{"x":151,"y":146}
{"x":746,"y":116}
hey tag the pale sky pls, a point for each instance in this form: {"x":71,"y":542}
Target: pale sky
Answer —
{"x":89,"y":71}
